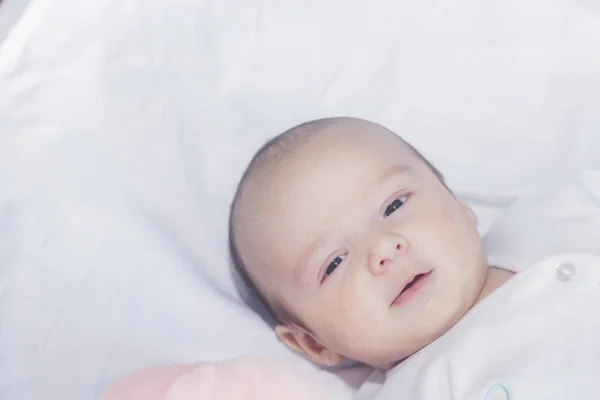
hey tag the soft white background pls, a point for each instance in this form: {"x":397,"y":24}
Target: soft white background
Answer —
{"x":125,"y":125}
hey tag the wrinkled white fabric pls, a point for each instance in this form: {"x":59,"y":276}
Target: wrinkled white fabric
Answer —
{"x":125,"y":125}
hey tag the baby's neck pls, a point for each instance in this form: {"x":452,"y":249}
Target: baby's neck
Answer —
{"x":496,"y":277}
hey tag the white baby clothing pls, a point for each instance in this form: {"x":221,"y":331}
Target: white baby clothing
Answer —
{"x":537,"y":337}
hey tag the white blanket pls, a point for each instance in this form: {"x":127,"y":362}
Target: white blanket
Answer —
{"x":125,"y":125}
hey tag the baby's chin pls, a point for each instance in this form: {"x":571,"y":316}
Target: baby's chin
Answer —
{"x":385,"y":363}
{"x":390,"y":362}
{"x":389,"y":356}
{"x":386,"y":357}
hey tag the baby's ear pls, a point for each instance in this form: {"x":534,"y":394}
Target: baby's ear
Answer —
{"x":304,"y":343}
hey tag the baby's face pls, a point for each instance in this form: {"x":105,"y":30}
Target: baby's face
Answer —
{"x":367,"y":247}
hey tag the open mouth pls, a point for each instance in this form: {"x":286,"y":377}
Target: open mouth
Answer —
{"x":411,"y":283}
{"x":412,"y":288}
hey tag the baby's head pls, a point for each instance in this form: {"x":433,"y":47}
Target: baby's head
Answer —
{"x":354,"y":243}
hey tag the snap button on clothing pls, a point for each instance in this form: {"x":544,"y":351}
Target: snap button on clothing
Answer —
{"x":566,"y":271}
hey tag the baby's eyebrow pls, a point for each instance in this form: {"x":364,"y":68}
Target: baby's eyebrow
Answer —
{"x":393,"y":171}
{"x":307,"y":255}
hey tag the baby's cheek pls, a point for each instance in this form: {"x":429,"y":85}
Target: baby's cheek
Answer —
{"x":335,"y":319}
{"x":356,"y":309}
{"x":455,"y":229}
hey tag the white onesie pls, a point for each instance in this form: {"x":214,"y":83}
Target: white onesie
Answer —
{"x":537,"y":337}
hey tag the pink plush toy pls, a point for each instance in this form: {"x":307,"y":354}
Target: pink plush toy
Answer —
{"x":238,"y":379}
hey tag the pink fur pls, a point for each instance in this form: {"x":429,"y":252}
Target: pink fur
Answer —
{"x":147,"y":384}
{"x":237,"y":379}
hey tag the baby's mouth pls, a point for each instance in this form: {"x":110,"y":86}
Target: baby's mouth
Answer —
{"x":411,"y":288}
{"x":411,"y":283}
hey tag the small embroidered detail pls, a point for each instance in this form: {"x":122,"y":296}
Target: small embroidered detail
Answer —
{"x":499,"y":391}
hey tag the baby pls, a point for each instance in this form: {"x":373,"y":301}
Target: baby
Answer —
{"x":356,"y":246}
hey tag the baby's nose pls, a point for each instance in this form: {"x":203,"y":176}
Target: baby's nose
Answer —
{"x":386,"y":254}
{"x":383,"y":261}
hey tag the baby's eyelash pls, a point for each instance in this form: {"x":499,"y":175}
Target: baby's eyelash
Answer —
{"x":395,"y":204}
{"x":333,"y":265}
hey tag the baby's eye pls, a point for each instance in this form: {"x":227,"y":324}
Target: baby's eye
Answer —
{"x":333,"y":265}
{"x":394,"y":205}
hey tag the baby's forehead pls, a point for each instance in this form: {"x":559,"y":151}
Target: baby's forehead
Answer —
{"x":318,"y":182}
{"x":327,"y":164}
